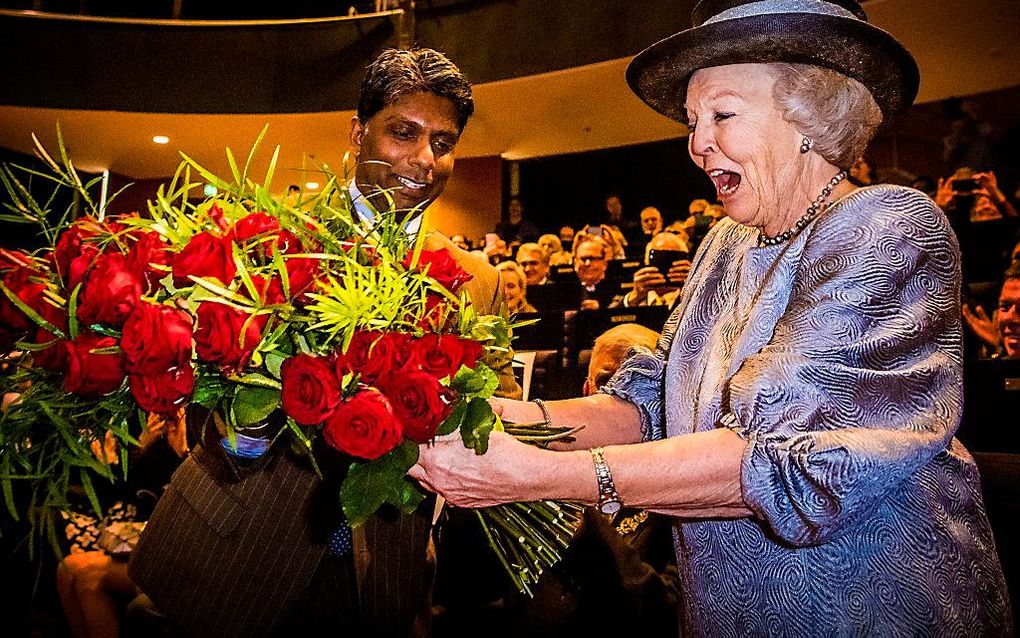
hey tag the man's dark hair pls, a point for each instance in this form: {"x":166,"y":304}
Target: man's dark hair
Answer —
{"x":1013,"y":272}
{"x":398,"y":72}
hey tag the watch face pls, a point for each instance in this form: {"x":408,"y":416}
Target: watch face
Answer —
{"x":610,"y":507}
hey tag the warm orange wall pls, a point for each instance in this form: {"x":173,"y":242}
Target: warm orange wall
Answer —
{"x":472,"y":200}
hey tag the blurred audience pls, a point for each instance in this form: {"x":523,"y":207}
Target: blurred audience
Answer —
{"x":974,"y":196}
{"x":623,"y":230}
{"x":553,"y":248}
{"x":461,"y":241}
{"x":515,"y":287}
{"x":515,"y":228}
{"x":567,"y":236}
{"x":495,"y":249}
{"x":861,"y":173}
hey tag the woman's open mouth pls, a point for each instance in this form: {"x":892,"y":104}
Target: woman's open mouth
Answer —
{"x":726,"y":182}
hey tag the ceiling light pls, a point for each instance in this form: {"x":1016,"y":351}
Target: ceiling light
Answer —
{"x":312,"y":186}
{"x":161,"y":139}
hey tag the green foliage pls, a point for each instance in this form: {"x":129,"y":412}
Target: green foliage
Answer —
{"x":372,"y":484}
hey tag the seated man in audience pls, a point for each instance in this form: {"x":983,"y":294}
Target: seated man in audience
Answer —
{"x":659,"y":282}
{"x":592,"y":253}
{"x":1000,"y":334}
{"x":567,"y":236}
{"x":974,"y":196}
{"x":651,"y":222}
{"x":619,"y":575}
{"x":535,"y":263}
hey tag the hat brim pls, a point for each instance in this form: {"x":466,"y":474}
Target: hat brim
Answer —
{"x":857,"y":49}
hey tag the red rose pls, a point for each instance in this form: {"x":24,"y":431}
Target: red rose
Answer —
{"x":19,"y":281}
{"x":441,"y":266}
{"x":206,"y":255}
{"x":254,"y":225}
{"x":310,"y":389}
{"x":364,"y":426}
{"x":302,"y":272}
{"x":439,"y":355}
{"x":218,"y":336}
{"x":420,"y":402}
{"x":269,"y":292}
{"x":374,"y":355}
{"x":90,"y":374}
{"x":150,"y":249}
{"x":436,"y":313}
{"x":54,"y":357}
{"x":110,"y":292}
{"x":80,"y":266}
{"x":164,"y":391}
{"x":71,"y":244}
{"x":471,"y":352}
{"x":156,"y":338}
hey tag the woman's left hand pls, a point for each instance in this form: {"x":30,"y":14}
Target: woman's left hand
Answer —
{"x":467,"y":479}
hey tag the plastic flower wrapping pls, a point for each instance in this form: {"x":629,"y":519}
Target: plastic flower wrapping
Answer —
{"x":296,"y":323}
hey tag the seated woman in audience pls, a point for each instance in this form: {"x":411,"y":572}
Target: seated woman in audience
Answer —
{"x":515,"y":287}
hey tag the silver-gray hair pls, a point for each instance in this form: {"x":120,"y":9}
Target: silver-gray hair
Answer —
{"x":837,"y":112}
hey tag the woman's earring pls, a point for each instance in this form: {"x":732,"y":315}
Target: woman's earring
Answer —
{"x":806,"y":145}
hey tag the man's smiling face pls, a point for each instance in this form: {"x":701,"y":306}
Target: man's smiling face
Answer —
{"x":406,"y":149}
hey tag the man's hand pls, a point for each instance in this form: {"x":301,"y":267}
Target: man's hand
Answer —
{"x":982,"y":326}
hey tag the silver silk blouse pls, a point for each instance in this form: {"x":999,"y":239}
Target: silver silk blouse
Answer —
{"x":837,"y":357}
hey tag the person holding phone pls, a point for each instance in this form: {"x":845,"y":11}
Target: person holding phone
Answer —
{"x":976,"y":194}
{"x":667,"y":264}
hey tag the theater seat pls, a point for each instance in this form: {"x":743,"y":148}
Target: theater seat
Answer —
{"x":1000,"y":483}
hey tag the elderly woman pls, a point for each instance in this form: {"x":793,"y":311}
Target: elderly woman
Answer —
{"x":515,"y":287}
{"x":798,"y":413}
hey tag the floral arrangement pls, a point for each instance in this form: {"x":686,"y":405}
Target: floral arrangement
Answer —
{"x":292,"y":321}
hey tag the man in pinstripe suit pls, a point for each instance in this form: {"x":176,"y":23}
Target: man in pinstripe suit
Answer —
{"x":242,"y":551}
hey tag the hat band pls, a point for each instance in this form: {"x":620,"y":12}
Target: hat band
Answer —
{"x":767,"y":7}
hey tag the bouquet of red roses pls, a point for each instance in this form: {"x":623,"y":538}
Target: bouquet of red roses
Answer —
{"x":288,"y":320}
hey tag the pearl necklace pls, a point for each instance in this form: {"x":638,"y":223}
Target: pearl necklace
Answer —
{"x":816,"y":208}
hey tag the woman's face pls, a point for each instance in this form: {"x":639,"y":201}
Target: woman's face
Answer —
{"x":742,"y":142}
{"x":513,"y":291}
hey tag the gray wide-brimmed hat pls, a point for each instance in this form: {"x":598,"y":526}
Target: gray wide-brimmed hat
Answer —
{"x":834,"y":34}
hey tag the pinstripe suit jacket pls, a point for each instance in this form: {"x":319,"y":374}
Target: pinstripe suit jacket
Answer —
{"x":228,"y":555}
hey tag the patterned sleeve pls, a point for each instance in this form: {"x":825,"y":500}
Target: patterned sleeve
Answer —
{"x":639,"y":381}
{"x":860,"y":385}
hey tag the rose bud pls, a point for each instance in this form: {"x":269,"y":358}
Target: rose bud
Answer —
{"x":110,"y":292}
{"x":419,"y":401}
{"x":218,"y":336}
{"x":80,"y":266}
{"x":155,"y":338}
{"x":254,"y":225}
{"x":89,"y":374}
{"x":205,"y":255}
{"x":311,"y":392}
{"x":165,"y":391}
{"x":441,"y":266}
{"x":364,"y":426}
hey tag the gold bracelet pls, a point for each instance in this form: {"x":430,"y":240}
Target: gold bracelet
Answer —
{"x":609,"y":501}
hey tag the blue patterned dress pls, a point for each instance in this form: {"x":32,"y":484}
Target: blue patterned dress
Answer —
{"x":837,"y":358}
